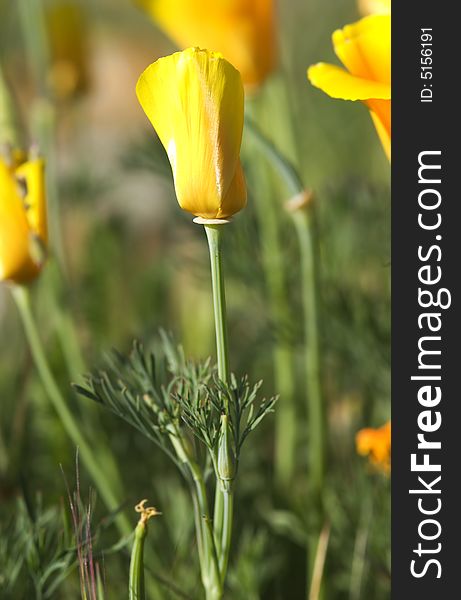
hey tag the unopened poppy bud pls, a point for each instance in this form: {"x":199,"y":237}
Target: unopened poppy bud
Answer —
{"x":194,"y":100}
{"x":226,"y":456}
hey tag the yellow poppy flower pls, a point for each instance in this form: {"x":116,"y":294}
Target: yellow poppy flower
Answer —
{"x":194,"y":100}
{"x":364,"y":48}
{"x":242,"y":30}
{"x":23,"y":227}
{"x":376,"y":443}
{"x":374,"y":7}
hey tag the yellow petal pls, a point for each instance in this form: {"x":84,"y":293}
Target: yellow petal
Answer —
{"x":380,"y":111}
{"x":242,"y":30}
{"x":32,"y":173}
{"x":235,"y":198}
{"x":364,"y":48}
{"x":16,"y":263}
{"x":194,"y":100}
{"x":338,"y":83}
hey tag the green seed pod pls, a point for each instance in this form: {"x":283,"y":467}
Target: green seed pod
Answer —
{"x":226,"y":458}
{"x":136,"y":584}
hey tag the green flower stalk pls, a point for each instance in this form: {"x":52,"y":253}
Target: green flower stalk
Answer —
{"x":223,"y":514}
{"x":300,"y":208}
{"x":99,"y":476}
{"x":213,"y":229}
{"x":283,"y":352}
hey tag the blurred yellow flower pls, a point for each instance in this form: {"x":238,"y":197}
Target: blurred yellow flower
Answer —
{"x":194,"y":99}
{"x":374,"y":7}
{"x":23,"y":226}
{"x":67,"y":34}
{"x":365,"y":50}
{"x":376,"y":443}
{"x":242,"y":30}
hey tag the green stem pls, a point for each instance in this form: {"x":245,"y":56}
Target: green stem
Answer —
{"x":89,"y":416}
{"x":218,"y":515}
{"x":68,"y":340}
{"x":227,"y":532}
{"x":305,"y":234}
{"x":318,"y":567}
{"x":301,"y":219}
{"x":223,"y":505}
{"x":285,"y":423}
{"x":210,"y":563}
{"x":209,"y":566}
{"x":304,"y":229}
{"x":199,"y":534}
{"x":269,"y":222}
{"x":98,"y":475}
{"x":213,"y":233}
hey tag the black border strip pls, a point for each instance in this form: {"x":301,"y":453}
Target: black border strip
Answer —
{"x":420,"y":127}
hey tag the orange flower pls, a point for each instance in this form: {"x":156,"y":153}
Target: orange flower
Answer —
{"x":364,"y":48}
{"x":376,"y":444}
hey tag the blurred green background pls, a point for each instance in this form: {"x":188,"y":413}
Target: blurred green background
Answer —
{"x":135,"y":262}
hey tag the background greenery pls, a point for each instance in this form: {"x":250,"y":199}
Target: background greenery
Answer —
{"x":136,"y":263}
